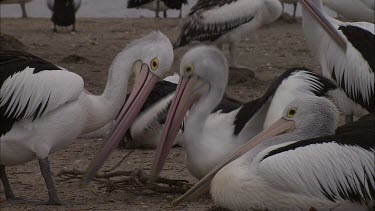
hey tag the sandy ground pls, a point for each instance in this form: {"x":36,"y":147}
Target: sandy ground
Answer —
{"x":269,"y":52}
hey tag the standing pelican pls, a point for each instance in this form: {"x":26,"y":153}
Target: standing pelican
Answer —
{"x":311,"y":166}
{"x":355,"y":10}
{"x":227,"y":21}
{"x":44,"y":108}
{"x":211,"y":137}
{"x":64,"y":12}
{"x":346,"y":52}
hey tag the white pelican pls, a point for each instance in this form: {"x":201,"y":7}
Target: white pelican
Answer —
{"x":227,"y":21}
{"x":64,"y":12}
{"x":355,"y":10}
{"x":164,"y":5}
{"x":210,"y":137}
{"x":145,"y":131}
{"x":43,"y":108}
{"x":311,"y":166}
{"x":294,"y":2}
{"x":346,"y":53}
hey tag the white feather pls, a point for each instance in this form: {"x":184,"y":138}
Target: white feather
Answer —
{"x":46,"y":88}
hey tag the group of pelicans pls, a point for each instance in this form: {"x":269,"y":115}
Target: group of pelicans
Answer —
{"x":282,"y":151}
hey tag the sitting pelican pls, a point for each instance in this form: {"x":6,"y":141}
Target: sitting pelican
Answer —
{"x":64,"y":12}
{"x":44,"y":108}
{"x":346,"y":52}
{"x":210,"y":137}
{"x":226,"y":21}
{"x":299,"y":163}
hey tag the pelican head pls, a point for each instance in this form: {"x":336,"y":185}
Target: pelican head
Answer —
{"x":306,"y":115}
{"x":151,"y":58}
{"x":204,"y":75}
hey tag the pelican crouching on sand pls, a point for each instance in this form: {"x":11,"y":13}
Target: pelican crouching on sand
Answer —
{"x":209,"y":137}
{"x":44,"y":108}
{"x":299,"y":163}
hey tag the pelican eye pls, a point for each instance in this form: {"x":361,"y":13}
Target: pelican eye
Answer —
{"x":291,"y":112}
{"x":189,"y":69}
{"x":154,"y":64}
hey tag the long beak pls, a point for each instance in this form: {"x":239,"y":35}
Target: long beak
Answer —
{"x":144,"y":83}
{"x":279,"y":127}
{"x":324,"y":22}
{"x":188,"y":91}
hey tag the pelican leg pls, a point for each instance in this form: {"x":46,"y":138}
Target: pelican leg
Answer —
{"x":295,"y":8}
{"x":157,"y":8}
{"x":53,"y":198}
{"x":348,"y":119}
{"x":74,"y":27}
{"x":180,"y":15}
{"x":165,"y":13}
{"x":9,"y":195}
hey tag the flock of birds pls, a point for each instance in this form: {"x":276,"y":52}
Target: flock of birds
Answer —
{"x":297,"y":156}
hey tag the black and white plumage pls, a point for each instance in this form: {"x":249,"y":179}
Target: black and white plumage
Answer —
{"x":44,"y":108}
{"x":300,"y":163}
{"x":209,"y":137}
{"x":63,"y":12}
{"x":351,"y":66}
{"x":164,"y":5}
{"x":226,"y":21}
{"x":354,"y":10}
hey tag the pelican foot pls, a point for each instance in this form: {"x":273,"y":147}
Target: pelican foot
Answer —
{"x":19,"y":200}
{"x":53,"y":202}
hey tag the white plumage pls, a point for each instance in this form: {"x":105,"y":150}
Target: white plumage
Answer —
{"x":355,"y":10}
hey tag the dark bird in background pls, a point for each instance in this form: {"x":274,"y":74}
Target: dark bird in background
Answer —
{"x":63,"y":12}
{"x":158,"y":5}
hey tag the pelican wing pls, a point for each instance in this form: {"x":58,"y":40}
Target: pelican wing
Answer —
{"x":210,"y":19}
{"x":31,"y":87}
{"x":353,"y":69}
{"x":338,"y":167}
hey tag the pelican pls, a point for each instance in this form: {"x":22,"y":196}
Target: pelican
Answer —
{"x":44,"y":108}
{"x":346,"y":53}
{"x":294,"y":2}
{"x":63,"y":12}
{"x":355,"y":10}
{"x":227,"y":21}
{"x":164,"y":5}
{"x":145,"y":131}
{"x":210,"y":137}
{"x":299,"y":163}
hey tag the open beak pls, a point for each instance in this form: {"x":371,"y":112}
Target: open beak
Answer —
{"x":323,"y":21}
{"x":143,"y":85}
{"x":279,"y":127}
{"x":189,"y":90}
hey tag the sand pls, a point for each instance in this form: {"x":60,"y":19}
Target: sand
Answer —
{"x":89,"y":52}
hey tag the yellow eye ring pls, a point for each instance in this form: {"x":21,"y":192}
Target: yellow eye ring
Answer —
{"x":154,"y":64}
{"x":291,"y":113}
{"x":188,"y":70}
